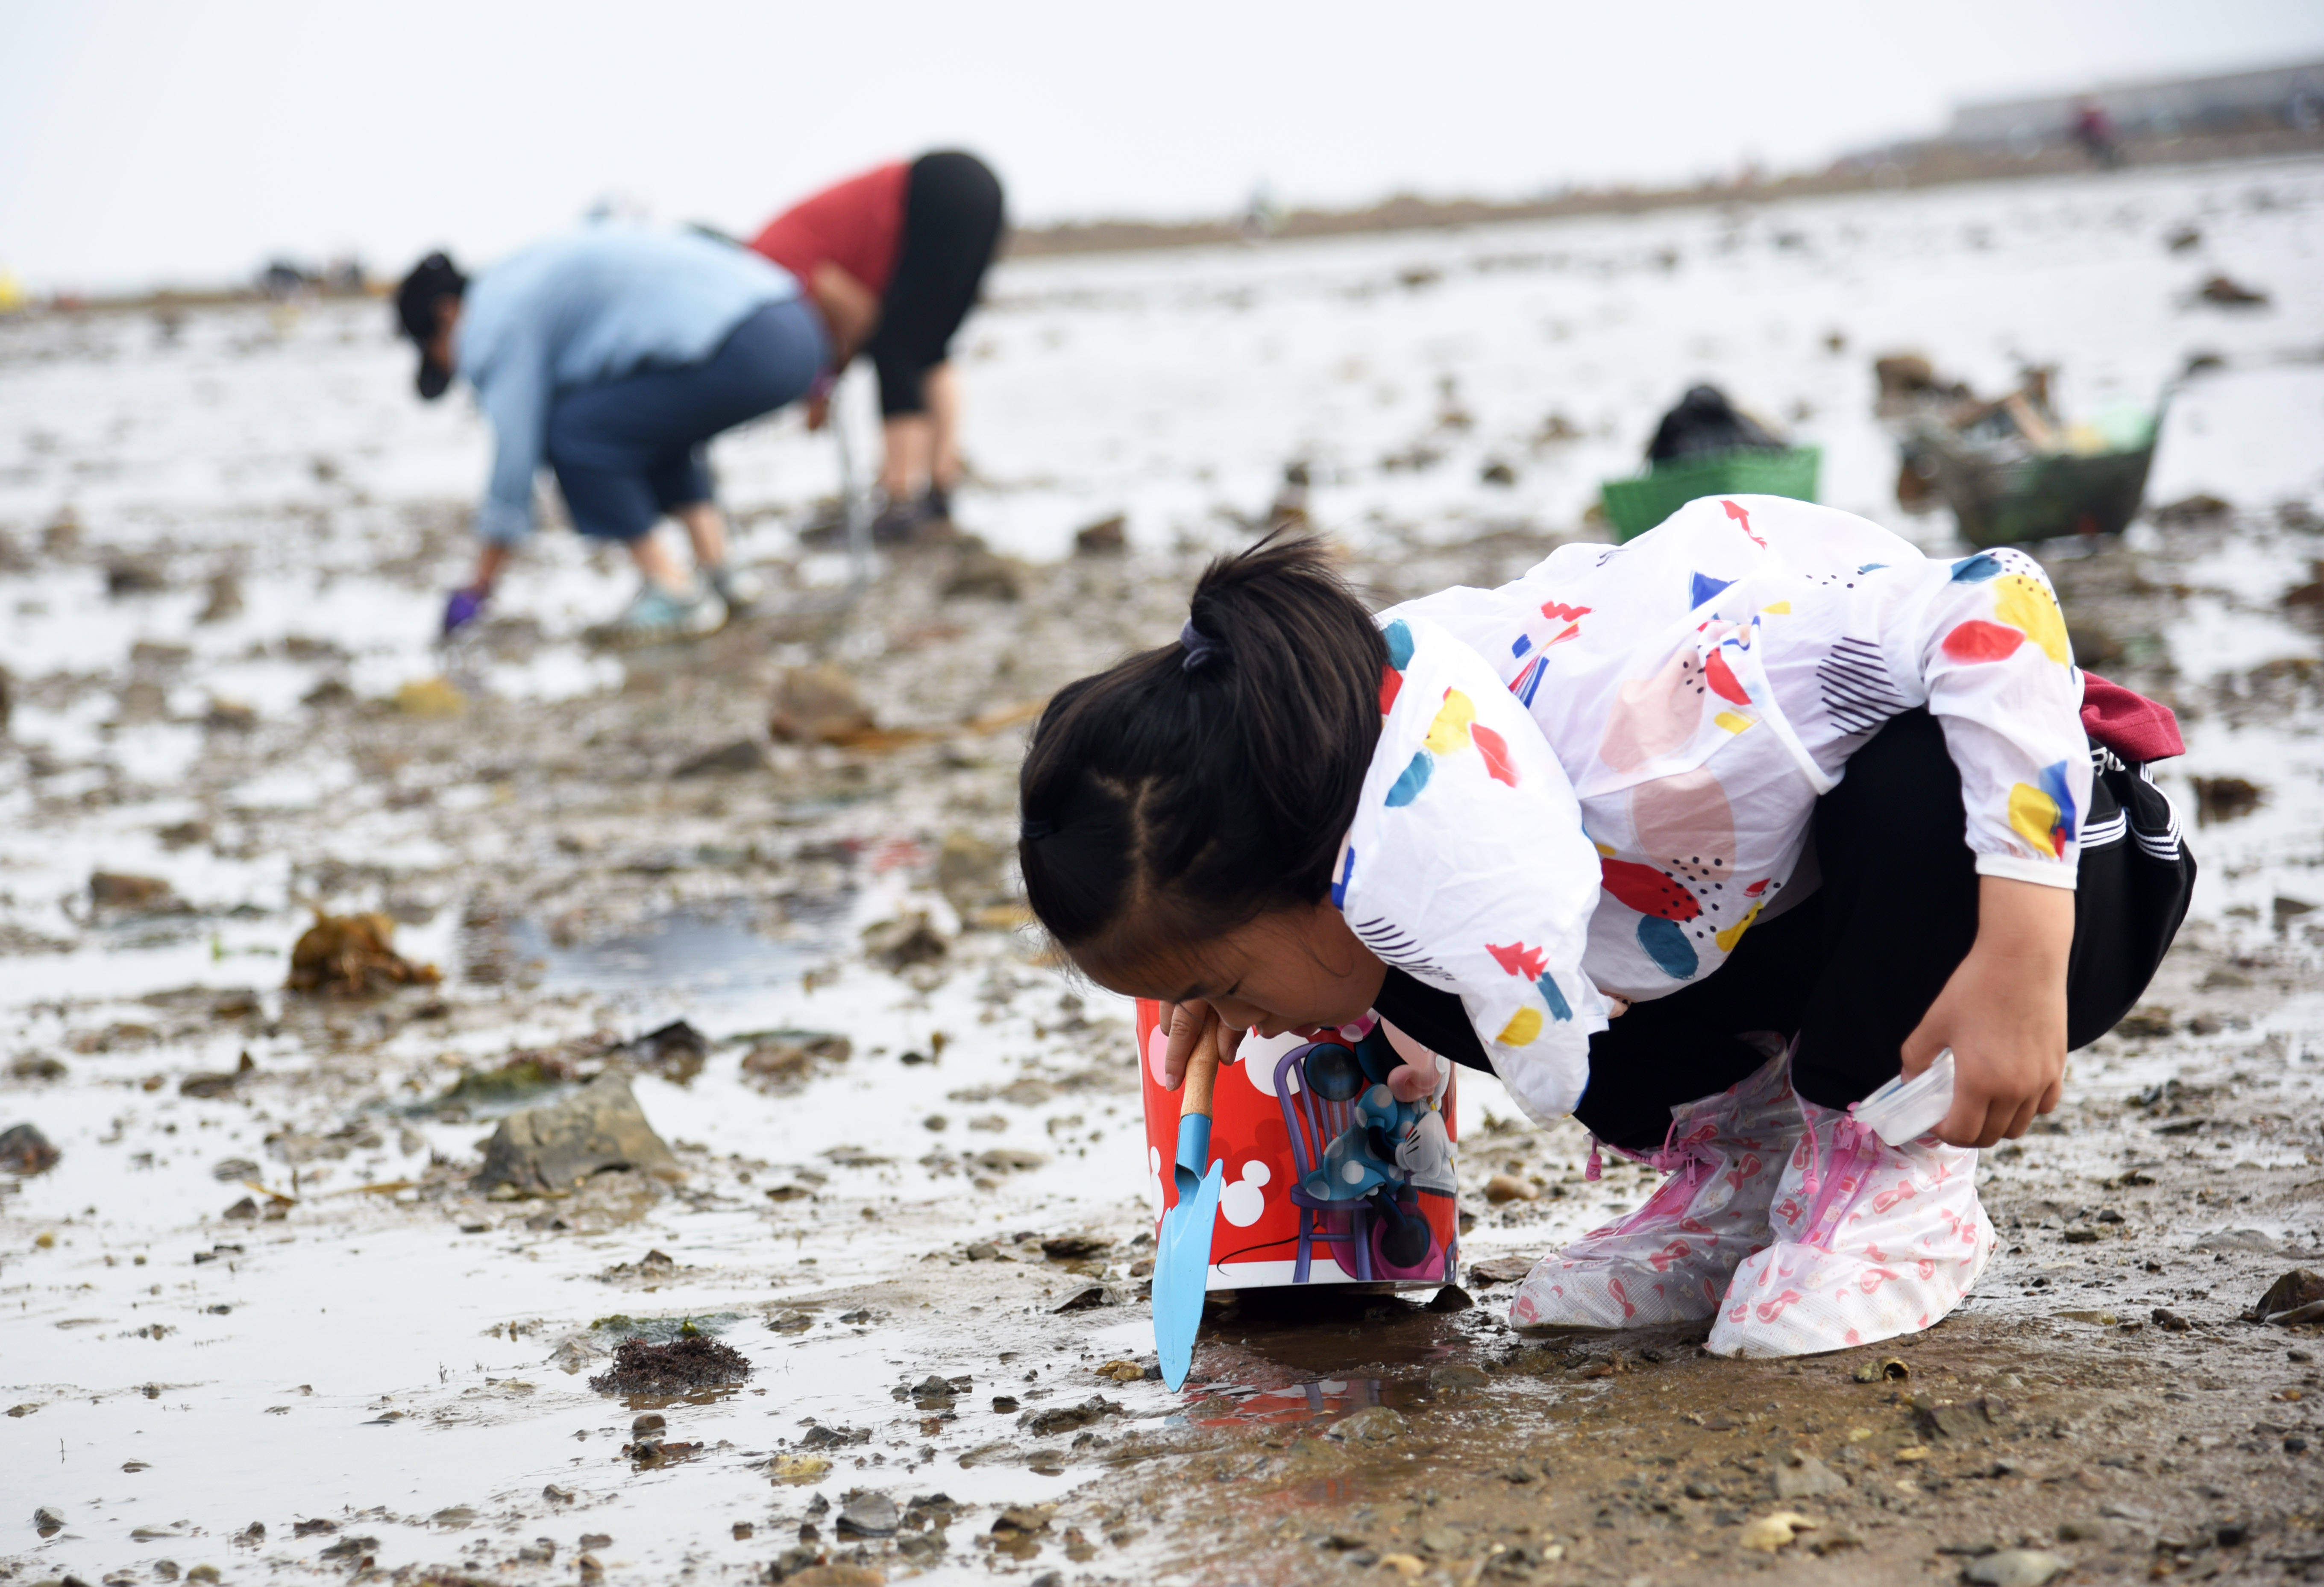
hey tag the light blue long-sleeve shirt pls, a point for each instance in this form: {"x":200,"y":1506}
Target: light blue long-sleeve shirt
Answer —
{"x":591,"y":306}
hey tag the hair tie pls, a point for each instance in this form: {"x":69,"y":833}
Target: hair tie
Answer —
{"x":1034,"y":831}
{"x":1201,"y":649}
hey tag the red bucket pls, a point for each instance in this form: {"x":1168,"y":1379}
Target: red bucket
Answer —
{"x":1272,"y":1129}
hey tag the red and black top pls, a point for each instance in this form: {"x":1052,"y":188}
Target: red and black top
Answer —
{"x":919,"y":236}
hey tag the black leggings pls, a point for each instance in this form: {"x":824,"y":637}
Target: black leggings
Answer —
{"x":952,"y":224}
{"x":1851,"y":968}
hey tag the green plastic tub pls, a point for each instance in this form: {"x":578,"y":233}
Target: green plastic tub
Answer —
{"x":1636,"y":506}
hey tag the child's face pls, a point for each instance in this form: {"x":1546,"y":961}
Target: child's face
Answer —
{"x":1286,"y":971}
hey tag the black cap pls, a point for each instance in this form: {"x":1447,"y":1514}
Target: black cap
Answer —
{"x":432,"y":280}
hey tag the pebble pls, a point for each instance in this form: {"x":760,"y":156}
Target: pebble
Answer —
{"x":1771,"y":1532}
{"x":1503,"y":1188}
{"x":2016,"y":1567}
{"x":868,"y":1515}
{"x":1024,"y":1517}
{"x":1452,"y":1297}
{"x":1803,"y":1476}
{"x":23,"y":1150}
{"x":600,"y":1126}
{"x":1376,"y":1424}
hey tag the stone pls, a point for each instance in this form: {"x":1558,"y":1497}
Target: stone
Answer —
{"x":1771,"y":1532}
{"x":1074,"y":1247}
{"x":540,"y":1149}
{"x":219,"y":1083}
{"x":1499,"y":1269}
{"x":742,"y":756}
{"x":868,"y":1515}
{"x":2297,"y":1297}
{"x":837,"y":1575}
{"x":2227,"y":292}
{"x":431,"y":699}
{"x":1375,"y":1424}
{"x":1109,"y":537}
{"x":978,"y":574}
{"x":970,"y":871}
{"x":1803,"y":1476}
{"x":134,"y":895}
{"x":1450,"y":1297}
{"x":2016,"y":1567}
{"x":1503,"y":1188}
{"x":23,"y":1150}
{"x":787,"y":1057}
{"x":819,"y":705}
{"x":1458,"y":1375}
{"x":1067,"y":1418}
{"x":905,"y":942}
{"x":798,"y":1470}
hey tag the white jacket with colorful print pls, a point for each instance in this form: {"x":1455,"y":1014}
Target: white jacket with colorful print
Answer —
{"x":1596,"y":778}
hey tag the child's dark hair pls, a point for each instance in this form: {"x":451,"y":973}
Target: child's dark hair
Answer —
{"x":1187,"y":790}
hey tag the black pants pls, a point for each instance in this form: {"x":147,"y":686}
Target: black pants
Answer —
{"x":1851,"y":968}
{"x":952,"y":224}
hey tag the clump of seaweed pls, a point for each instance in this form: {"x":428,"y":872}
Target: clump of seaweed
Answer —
{"x":690,"y":1362}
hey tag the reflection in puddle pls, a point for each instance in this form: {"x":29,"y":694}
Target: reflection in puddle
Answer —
{"x":715,"y":949}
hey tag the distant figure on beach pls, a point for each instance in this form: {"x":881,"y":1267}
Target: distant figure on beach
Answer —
{"x":2094,"y":131}
{"x":891,"y":259}
{"x":613,"y":354}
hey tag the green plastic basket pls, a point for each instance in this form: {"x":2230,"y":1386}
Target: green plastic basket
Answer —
{"x":1636,"y":506}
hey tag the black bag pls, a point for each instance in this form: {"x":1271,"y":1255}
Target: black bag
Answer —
{"x":2131,"y":892}
{"x":1705,"y":421}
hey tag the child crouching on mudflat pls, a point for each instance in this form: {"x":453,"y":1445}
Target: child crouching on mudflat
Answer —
{"x":1795,"y":802}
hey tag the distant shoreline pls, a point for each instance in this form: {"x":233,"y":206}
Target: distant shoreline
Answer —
{"x":1904,"y":169}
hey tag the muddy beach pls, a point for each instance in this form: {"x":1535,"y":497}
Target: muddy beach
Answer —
{"x":301,"y":1286}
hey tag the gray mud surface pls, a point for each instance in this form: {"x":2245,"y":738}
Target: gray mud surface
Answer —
{"x":266,"y":1318}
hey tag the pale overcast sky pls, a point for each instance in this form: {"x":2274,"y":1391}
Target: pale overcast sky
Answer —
{"x":160,"y":141}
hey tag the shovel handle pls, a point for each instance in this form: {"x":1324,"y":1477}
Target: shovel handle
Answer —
{"x":1201,"y":1074}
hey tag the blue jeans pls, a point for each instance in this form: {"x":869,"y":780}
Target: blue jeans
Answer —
{"x":628,"y":450}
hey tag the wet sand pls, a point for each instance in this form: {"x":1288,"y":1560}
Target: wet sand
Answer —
{"x":264,"y":1321}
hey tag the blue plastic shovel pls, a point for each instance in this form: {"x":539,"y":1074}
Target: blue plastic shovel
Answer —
{"x":1181,"y":1257}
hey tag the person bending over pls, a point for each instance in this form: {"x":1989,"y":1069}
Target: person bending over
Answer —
{"x":1800,"y":805}
{"x":892,"y":260}
{"x":614,"y":354}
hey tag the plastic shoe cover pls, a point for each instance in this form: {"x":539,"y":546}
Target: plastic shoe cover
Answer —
{"x":657,"y":616}
{"x":1871,"y":1240}
{"x":1670,"y":1260}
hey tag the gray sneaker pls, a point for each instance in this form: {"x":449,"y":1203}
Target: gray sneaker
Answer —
{"x":739,"y":588}
{"x":656,"y":616}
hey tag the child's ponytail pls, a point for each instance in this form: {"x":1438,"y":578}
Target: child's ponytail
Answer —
{"x":1187,"y":789}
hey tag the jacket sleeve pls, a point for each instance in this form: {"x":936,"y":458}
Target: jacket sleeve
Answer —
{"x":1467,"y":866}
{"x":513,"y":385}
{"x":1985,"y":637}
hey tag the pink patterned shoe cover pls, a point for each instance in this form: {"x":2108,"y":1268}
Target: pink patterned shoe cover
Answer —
{"x":1872,"y":1240}
{"x":1669,"y":1262}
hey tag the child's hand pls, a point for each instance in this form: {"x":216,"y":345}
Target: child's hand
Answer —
{"x":2004,"y":1013}
{"x":1190,"y":1024}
